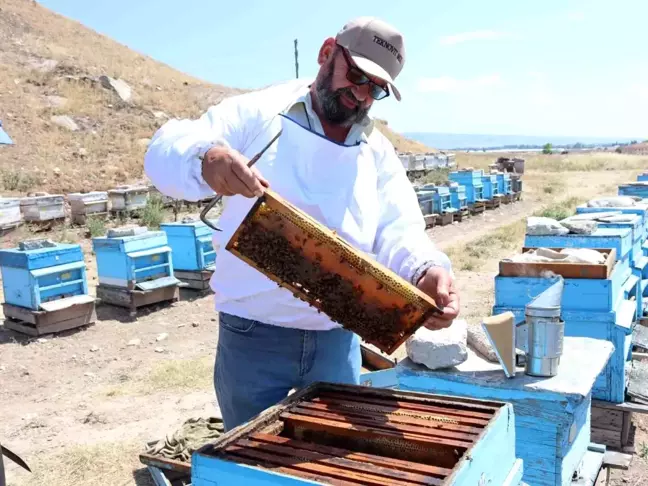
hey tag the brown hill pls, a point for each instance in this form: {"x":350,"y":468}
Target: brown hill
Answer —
{"x":72,"y":131}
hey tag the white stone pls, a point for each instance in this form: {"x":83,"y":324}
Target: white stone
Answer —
{"x":580,"y":227}
{"x":56,"y":101}
{"x":134,"y":342}
{"x":443,"y":348}
{"x":162,"y":337}
{"x":118,"y":86}
{"x":538,"y":226}
{"x":94,"y":349}
{"x":612,"y":202}
{"x":144,"y":142}
{"x":65,"y":121}
{"x":159,"y":350}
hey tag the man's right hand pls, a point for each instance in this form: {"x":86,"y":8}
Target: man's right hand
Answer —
{"x":227,"y":173}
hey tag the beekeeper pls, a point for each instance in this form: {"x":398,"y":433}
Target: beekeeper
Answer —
{"x":333,"y":163}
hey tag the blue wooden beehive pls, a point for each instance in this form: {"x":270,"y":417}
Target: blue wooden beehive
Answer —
{"x":592,"y":308}
{"x":191,"y":244}
{"x":458,"y":197}
{"x":639,"y":189}
{"x":618,"y":238}
{"x":472,"y":181}
{"x":41,"y":271}
{"x":552,"y":415}
{"x":643,"y":177}
{"x":641,"y":209}
{"x":441,"y":202}
{"x":425,"y":199}
{"x":474,"y":443}
{"x":504,"y":183}
{"x":134,"y":258}
{"x":491,"y":190}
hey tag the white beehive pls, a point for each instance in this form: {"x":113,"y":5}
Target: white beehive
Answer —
{"x":10,"y":216}
{"x":128,"y":198}
{"x":43,"y":208}
{"x":87,"y":204}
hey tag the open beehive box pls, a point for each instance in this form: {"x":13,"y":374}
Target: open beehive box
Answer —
{"x":321,"y":268}
{"x":564,"y":269}
{"x":354,"y":435}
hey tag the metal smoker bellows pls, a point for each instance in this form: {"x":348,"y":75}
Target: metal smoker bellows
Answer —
{"x":545,"y":332}
{"x":322,"y":269}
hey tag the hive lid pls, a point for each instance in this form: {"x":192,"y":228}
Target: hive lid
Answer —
{"x":36,"y":244}
{"x":125,"y":189}
{"x":88,"y":196}
{"x":125,"y":231}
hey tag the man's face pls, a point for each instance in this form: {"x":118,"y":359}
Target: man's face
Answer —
{"x":341,"y":101}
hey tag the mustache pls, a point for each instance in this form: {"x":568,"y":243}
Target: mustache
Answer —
{"x":349,"y":93}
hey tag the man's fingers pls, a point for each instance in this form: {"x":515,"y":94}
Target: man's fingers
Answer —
{"x":248,"y":178}
{"x":261,"y":179}
{"x":236,"y":185}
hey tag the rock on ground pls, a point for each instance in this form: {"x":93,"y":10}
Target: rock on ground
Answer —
{"x":439,"y":349}
{"x":118,"y":86}
{"x":66,"y":122}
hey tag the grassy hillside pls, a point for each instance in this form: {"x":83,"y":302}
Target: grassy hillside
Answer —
{"x":51,"y":68}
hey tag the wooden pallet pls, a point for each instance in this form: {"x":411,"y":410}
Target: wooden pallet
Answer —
{"x":612,"y":424}
{"x":444,"y":219}
{"x":134,"y":299}
{"x":493,"y":203}
{"x":198,"y":280}
{"x":55,"y":316}
{"x":461,"y":215}
{"x":430,"y":220}
{"x":477,"y":208}
{"x":507,"y":198}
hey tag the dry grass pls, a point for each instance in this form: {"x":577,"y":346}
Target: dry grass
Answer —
{"x":401,"y":143}
{"x":176,"y":375}
{"x":113,"y":463}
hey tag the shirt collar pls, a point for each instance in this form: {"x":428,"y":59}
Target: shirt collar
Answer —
{"x":365,"y":125}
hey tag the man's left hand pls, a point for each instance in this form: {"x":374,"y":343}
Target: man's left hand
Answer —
{"x":439,"y":284}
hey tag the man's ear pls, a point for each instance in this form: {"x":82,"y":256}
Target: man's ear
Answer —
{"x":327,"y":51}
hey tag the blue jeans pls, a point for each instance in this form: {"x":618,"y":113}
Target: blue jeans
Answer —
{"x":258,"y":364}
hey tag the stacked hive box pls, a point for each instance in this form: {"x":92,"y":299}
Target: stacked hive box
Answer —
{"x":38,"y":209}
{"x":504,"y":186}
{"x":491,"y":190}
{"x":472,"y":181}
{"x":637,"y":189}
{"x":458,"y":201}
{"x":10,"y":215}
{"x":193,"y":252}
{"x":45,"y":287}
{"x":643,"y":177}
{"x":442,"y":205}
{"x":591,"y":307}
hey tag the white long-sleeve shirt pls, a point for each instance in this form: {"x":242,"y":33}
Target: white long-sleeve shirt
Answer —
{"x":173,"y":163}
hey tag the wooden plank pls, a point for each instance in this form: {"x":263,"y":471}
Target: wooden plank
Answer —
{"x":607,"y":419}
{"x":136,"y":298}
{"x":617,"y":460}
{"x":161,"y":462}
{"x":625,"y":406}
{"x":155,"y":296}
{"x":34,"y":330}
{"x":45,"y":319}
{"x":610,"y":438}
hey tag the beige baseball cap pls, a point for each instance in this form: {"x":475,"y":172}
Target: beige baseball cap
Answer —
{"x":376,"y":47}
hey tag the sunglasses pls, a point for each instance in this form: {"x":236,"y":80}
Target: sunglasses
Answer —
{"x":359,"y":78}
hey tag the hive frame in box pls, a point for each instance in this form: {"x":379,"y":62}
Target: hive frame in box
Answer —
{"x":378,"y":285}
{"x":365,"y":454}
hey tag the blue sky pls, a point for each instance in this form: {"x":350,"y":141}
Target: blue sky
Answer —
{"x":556,"y":67}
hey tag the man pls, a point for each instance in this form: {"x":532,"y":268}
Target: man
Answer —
{"x":333,"y":164}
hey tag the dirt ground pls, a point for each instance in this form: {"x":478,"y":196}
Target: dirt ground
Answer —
{"x":79,"y":406}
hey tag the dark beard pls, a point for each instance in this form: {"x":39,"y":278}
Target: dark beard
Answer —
{"x":331,"y":105}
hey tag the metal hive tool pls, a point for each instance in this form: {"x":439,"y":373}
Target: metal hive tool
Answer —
{"x":346,"y":435}
{"x":322,"y":269}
